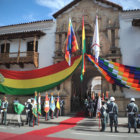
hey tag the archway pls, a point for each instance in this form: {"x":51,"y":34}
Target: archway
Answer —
{"x":81,"y":89}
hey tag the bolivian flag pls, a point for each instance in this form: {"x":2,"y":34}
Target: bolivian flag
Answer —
{"x":27,"y":82}
{"x":83,"y":49}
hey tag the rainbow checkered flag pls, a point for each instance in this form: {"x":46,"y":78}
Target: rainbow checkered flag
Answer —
{"x":71,"y":43}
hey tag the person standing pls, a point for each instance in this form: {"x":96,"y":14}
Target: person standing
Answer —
{"x":113,"y":114}
{"x":27,"y":110}
{"x":103,"y":116}
{"x":30,"y":107}
{"x":4,"y":106}
{"x":132,"y":110}
{"x":91,"y":108}
{"x":18,"y":107}
{"x":61,"y":107}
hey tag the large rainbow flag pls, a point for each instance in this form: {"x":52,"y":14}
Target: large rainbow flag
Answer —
{"x":119,"y":74}
{"x":71,"y":43}
{"x":27,"y":82}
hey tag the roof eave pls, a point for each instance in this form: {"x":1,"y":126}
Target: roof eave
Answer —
{"x":55,"y":15}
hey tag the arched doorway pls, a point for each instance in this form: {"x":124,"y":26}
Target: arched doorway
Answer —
{"x":81,"y":89}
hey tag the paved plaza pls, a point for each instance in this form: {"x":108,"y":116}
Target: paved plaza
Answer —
{"x":85,"y":129}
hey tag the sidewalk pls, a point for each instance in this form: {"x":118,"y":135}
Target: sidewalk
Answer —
{"x":122,"y":121}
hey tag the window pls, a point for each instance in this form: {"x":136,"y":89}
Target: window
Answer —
{"x":113,"y":37}
{"x":7,"y":48}
{"x":113,"y":60}
{"x":88,"y":44}
{"x":60,"y":41}
{"x":30,"y":46}
{"x":113,"y":52}
{"x":114,"y":87}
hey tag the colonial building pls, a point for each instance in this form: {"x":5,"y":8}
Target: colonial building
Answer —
{"x":116,"y":28}
{"x":26,"y":46}
{"x":108,"y":14}
{"x":39,"y":44}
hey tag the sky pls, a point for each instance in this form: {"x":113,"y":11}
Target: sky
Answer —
{"x":22,"y":11}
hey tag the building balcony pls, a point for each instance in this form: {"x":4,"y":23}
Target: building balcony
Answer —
{"x":21,"y":58}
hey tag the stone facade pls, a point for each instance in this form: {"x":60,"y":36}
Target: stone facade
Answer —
{"x":113,"y":23}
{"x":109,"y":40}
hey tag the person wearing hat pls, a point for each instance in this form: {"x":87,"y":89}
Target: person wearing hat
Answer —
{"x":27,"y":110}
{"x":113,"y":114}
{"x":132,"y":110}
{"x":18,"y":107}
{"x":30,"y":107}
{"x":4,"y":106}
{"x":103,"y":116}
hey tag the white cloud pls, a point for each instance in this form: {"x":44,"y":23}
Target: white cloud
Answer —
{"x":29,"y":17}
{"x":53,"y":4}
{"x":128,"y":4}
{"x":56,"y":5}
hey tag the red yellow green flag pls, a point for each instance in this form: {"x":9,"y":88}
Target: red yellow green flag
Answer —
{"x":35,"y":105}
{"x":83,"y":50}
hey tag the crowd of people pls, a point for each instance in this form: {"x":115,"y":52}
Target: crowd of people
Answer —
{"x":109,"y":111}
{"x":31,"y":109}
{"x":105,"y":109}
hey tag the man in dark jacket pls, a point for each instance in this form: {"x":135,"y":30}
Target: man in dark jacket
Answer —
{"x":132,"y":110}
{"x":103,"y":115}
{"x":113,"y":114}
{"x":4,"y":106}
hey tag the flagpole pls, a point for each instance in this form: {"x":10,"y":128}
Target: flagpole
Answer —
{"x":38,"y":119}
{"x":99,"y":121}
{"x":46,"y":116}
{"x":33,"y":122}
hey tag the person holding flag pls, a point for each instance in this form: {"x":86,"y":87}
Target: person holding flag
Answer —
{"x":71,"y":43}
{"x":95,"y":43}
{"x":39,"y":106}
{"x":52,"y":105}
{"x":99,"y":105}
{"x":35,"y":118}
{"x":57,"y":106}
{"x":47,"y":107}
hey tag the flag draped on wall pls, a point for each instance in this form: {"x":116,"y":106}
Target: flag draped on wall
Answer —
{"x":115,"y":73}
{"x":95,"y":43}
{"x":39,"y":104}
{"x":71,"y":43}
{"x":27,"y":82}
{"x":83,"y":50}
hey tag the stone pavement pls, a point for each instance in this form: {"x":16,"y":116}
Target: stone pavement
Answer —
{"x":122,"y":121}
